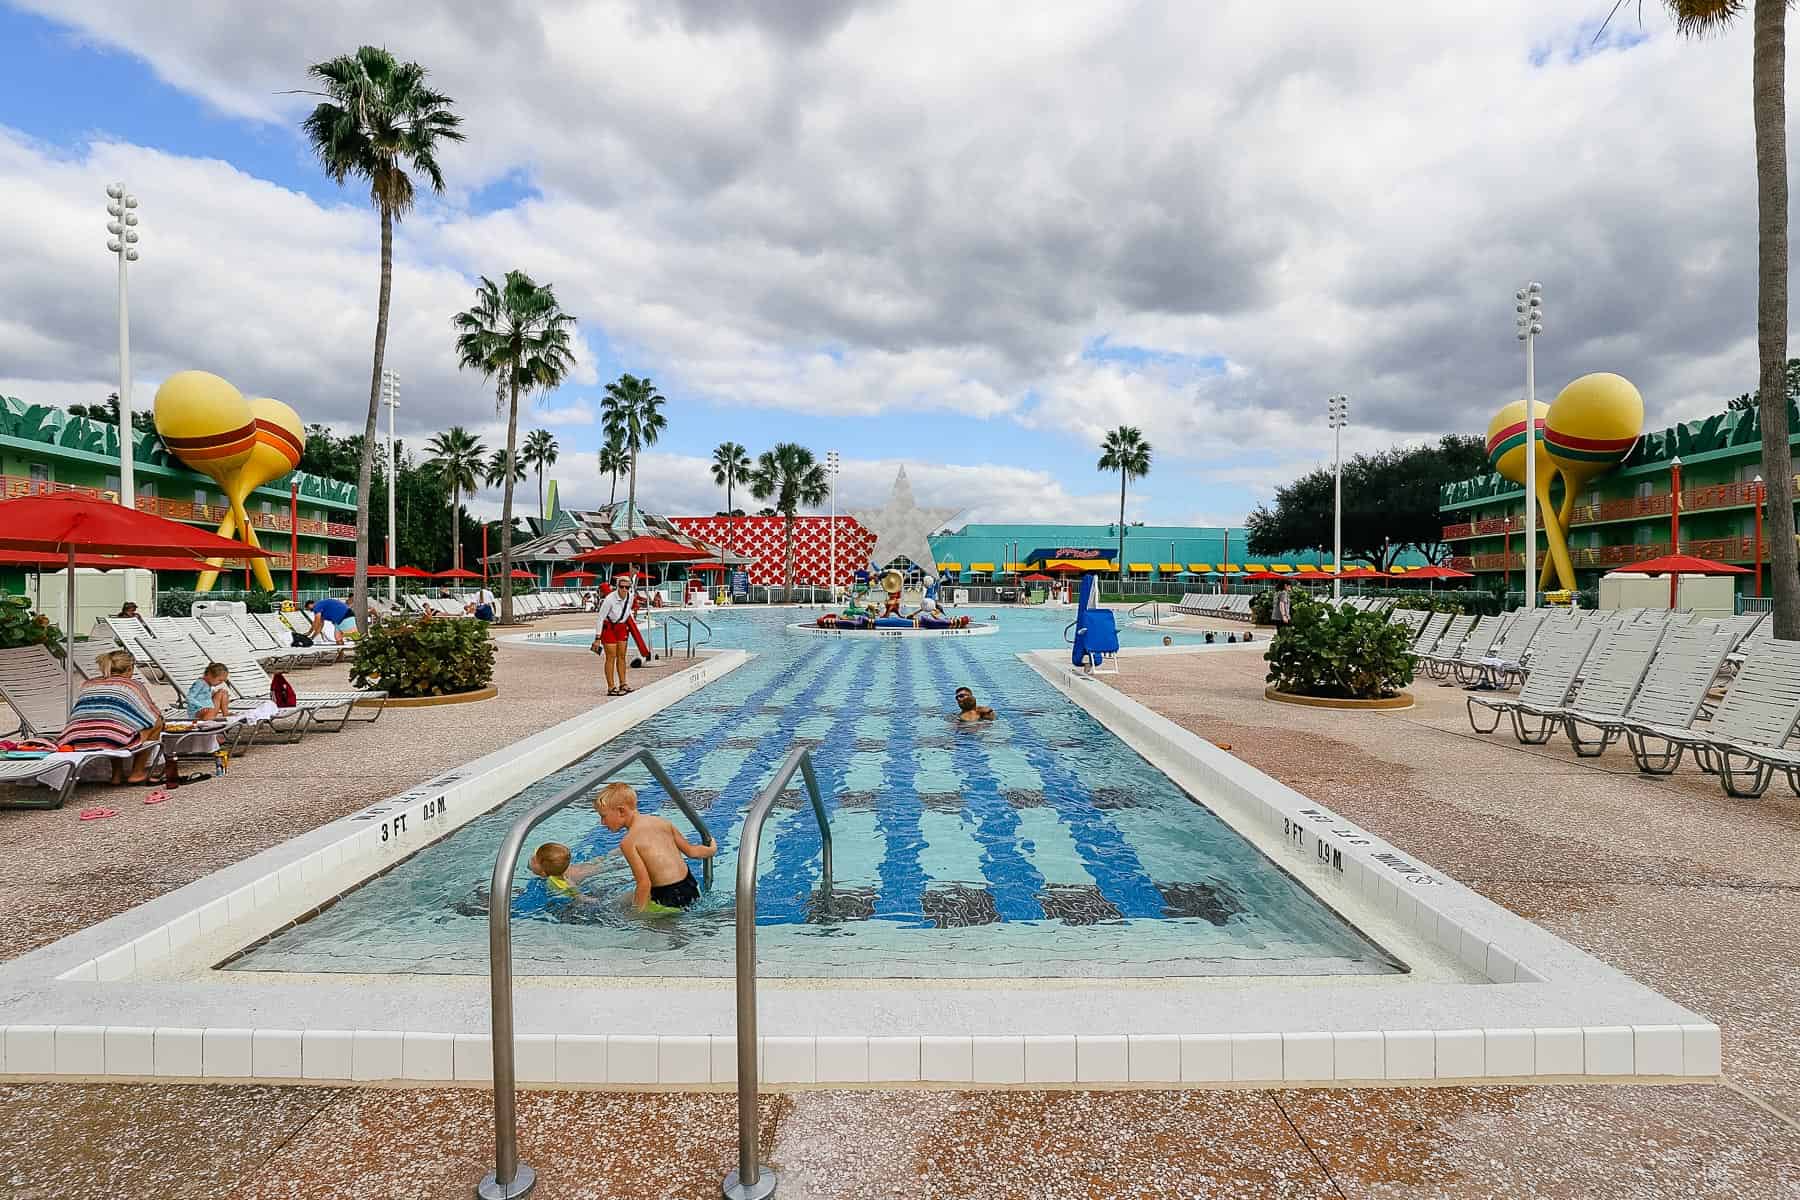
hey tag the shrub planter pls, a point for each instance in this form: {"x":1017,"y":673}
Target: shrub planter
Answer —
{"x":441,"y":658}
{"x":1391,"y":703}
{"x":486,"y":693}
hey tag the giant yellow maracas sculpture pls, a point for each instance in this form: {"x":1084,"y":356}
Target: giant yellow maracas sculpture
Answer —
{"x":208,"y":425}
{"x":1506,"y":454}
{"x":280,"y":441}
{"x":1590,"y":429}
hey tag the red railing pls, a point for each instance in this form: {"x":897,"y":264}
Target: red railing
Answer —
{"x":12,"y":486}
{"x":1698,"y":499}
{"x":1725,"y":549}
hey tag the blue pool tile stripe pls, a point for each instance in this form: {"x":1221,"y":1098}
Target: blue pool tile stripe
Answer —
{"x":1011,"y":877}
{"x":902,"y":896}
{"x":783,"y":893}
{"x":1104,"y":850}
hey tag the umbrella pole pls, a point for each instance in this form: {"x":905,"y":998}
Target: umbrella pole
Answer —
{"x":69,"y":638}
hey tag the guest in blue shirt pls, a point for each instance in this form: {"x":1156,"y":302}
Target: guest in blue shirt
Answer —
{"x":333,"y":610}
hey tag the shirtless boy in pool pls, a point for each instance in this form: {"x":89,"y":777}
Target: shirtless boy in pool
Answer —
{"x":655,"y":849}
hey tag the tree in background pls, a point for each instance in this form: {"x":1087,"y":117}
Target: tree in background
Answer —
{"x":1391,"y":502}
{"x":517,"y":333}
{"x":142,"y":420}
{"x":730,"y":466}
{"x":1753,"y":400}
{"x":614,"y":461}
{"x":458,"y":458}
{"x":493,"y":472}
{"x":1126,"y":452}
{"x":540,"y":454}
{"x":789,"y":476}
{"x":632,"y":416}
{"x":378,"y":121}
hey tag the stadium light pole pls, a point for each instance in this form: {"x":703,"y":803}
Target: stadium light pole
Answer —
{"x":1337,"y":414}
{"x":1528,"y":308}
{"x":832,"y":463}
{"x":390,"y":396}
{"x":120,"y":207}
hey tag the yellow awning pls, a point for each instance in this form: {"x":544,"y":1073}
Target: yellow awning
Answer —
{"x":1012,"y":567}
{"x":990,"y":566}
{"x":1206,"y":568}
{"x":1399,"y":570}
{"x":1080,"y":564}
{"x":1258,"y":566}
{"x":1230,"y":568}
{"x":949,"y":566}
{"x":1140,"y":566}
{"x":1172,"y":568}
{"x":1309,"y":569}
{"x":1284,"y":568}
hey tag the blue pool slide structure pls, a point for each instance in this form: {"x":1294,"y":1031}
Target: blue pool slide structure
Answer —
{"x":1096,"y":634}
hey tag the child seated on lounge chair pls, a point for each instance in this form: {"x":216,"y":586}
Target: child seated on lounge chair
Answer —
{"x":208,"y":699}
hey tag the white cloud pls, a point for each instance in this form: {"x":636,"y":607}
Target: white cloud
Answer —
{"x":852,"y":209}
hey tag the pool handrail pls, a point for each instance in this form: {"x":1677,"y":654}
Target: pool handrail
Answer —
{"x":512,"y":1179}
{"x":762,"y":1179}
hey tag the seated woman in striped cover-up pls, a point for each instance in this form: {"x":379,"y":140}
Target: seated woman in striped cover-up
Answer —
{"x":114,"y":712}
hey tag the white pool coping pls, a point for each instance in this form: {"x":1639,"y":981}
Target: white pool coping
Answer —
{"x":1492,"y":997}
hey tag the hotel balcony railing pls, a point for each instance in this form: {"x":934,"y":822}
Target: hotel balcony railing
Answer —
{"x":1698,"y":499}
{"x":1726,"y":549}
{"x":12,"y":486}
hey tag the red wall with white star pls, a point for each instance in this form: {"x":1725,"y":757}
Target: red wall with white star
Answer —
{"x":761,"y":539}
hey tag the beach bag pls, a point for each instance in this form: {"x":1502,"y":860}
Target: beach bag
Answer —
{"x":282,"y":692}
{"x":302,"y":640}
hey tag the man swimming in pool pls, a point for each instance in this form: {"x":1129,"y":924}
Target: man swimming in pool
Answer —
{"x":968,"y":710}
{"x":655,"y":849}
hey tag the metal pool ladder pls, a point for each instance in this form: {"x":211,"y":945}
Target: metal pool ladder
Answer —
{"x":687,"y":623}
{"x":510,"y":1178}
{"x":760,"y":1179}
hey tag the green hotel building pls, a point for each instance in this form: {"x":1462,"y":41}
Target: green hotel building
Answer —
{"x":1624,"y":516}
{"x":44,"y":449}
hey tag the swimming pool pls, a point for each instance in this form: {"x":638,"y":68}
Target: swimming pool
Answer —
{"x":1037,"y":846}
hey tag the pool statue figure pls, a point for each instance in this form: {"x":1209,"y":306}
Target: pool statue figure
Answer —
{"x":1096,"y":633}
{"x":891,"y":583}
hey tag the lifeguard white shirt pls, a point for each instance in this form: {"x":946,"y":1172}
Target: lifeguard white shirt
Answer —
{"x":614,"y":608}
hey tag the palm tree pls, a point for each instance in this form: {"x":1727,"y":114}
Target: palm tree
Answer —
{"x":632,"y":415}
{"x":493,"y":472}
{"x":539,"y":453}
{"x":1126,"y":452}
{"x":1768,"y":114}
{"x":516,"y":333}
{"x":457,"y":458}
{"x":730,"y":466}
{"x":790,"y":477}
{"x":615,"y":462}
{"x":377,"y":120}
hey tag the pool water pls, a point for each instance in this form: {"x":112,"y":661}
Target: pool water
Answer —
{"x":1037,"y":845}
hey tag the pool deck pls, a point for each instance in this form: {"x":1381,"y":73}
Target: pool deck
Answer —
{"x":1668,"y":880}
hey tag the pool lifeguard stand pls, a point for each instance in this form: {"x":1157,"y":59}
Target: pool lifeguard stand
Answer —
{"x":1096,"y":634}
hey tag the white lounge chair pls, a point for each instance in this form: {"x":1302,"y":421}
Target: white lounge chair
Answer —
{"x":1561,"y":653}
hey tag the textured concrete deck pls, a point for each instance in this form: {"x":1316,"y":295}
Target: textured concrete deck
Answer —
{"x":1700,"y":902}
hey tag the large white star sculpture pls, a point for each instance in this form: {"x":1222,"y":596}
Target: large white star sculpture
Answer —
{"x":902,"y":528}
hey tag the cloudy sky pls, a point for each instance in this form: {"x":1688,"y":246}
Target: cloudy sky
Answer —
{"x":967,"y":237}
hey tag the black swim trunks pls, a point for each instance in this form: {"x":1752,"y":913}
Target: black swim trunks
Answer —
{"x":680,"y":894}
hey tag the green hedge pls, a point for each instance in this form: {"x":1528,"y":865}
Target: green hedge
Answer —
{"x":1477,"y":602}
{"x":439,"y":656}
{"x":19,"y":626}
{"x":1340,"y":653}
{"x":177,"y":602}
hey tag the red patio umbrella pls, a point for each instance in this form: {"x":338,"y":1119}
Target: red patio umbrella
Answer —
{"x":521,"y":573}
{"x":1433,"y":571}
{"x":1681,"y":564}
{"x":1035,"y":577}
{"x":457,"y":573}
{"x":641,"y":549}
{"x":67,"y":523}
{"x":99,"y":562}
{"x":1264,"y":576}
{"x":412,"y":573}
{"x":1362,"y":573}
